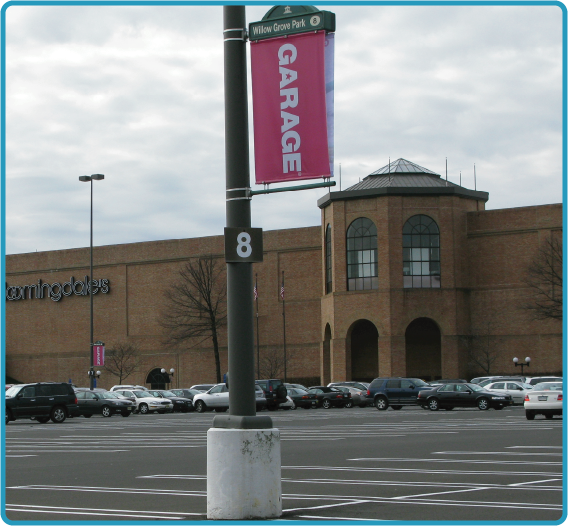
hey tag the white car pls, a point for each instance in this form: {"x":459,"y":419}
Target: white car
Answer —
{"x":544,"y":399}
{"x":517,"y":390}
{"x":217,"y":398}
{"x":146,"y":403}
{"x":137,"y":387}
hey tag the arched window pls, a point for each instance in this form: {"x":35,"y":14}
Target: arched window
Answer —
{"x":362,"y":266}
{"x":328,"y":274}
{"x":421,"y":253}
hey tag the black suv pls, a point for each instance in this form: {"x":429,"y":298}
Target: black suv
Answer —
{"x":41,"y":401}
{"x":275,"y":392}
{"x":395,"y":392}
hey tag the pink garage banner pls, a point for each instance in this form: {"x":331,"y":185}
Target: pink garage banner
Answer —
{"x":98,"y":355}
{"x":289,"y":107}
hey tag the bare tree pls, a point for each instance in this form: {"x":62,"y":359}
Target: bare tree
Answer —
{"x":122,"y":360}
{"x":196,"y":305}
{"x":483,"y":346}
{"x":545,"y":281}
{"x":272,"y":362}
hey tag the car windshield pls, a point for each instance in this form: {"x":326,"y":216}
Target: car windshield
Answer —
{"x":475,"y":387}
{"x":141,"y":394}
{"x":168,"y":393}
{"x":548,"y":386}
{"x":108,"y":394}
{"x":13,"y":391}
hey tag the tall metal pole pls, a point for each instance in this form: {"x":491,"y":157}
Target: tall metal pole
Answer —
{"x":91,"y":372}
{"x":257,"y":336}
{"x":240,"y":327}
{"x":284,"y":327}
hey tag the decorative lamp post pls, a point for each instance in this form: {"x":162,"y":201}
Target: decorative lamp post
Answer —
{"x":171,"y":373}
{"x":527,"y":362}
{"x":86,"y":179}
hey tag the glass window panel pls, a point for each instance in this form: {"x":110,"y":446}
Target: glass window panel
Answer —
{"x":374,"y":283}
{"x":425,"y":269}
{"x":366,"y":283}
{"x":407,"y":281}
{"x":435,"y":267}
{"x":351,"y":284}
{"x":406,"y":254}
{"x":350,"y":243}
{"x":436,"y":284}
{"x":366,"y":243}
{"x":358,"y":243}
{"x":434,"y":241}
{"x":416,"y":269}
{"x":424,"y":254}
{"x":425,"y":282}
{"x":434,"y":254}
{"x":415,"y":254}
{"x":406,"y":269}
{"x":415,"y":240}
{"x":406,"y":240}
{"x":416,"y":282}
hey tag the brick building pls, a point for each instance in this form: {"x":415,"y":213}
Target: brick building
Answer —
{"x":407,"y":275}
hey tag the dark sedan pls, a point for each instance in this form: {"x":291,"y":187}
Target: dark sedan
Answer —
{"x":181,"y":405}
{"x":448,"y":396}
{"x":302,"y":398}
{"x":104,"y":403}
{"x":330,"y":397}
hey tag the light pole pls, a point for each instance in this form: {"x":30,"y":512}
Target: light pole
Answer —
{"x":86,"y":179}
{"x":165,"y":375}
{"x":527,"y":362}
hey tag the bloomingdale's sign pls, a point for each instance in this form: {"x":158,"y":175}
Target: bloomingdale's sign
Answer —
{"x":56,"y":290}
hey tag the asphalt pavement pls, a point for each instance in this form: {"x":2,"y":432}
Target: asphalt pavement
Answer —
{"x":337,"y":465}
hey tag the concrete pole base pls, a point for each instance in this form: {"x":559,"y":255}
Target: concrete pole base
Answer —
{"x":243,"y":474}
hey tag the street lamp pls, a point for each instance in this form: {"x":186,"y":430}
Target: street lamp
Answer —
{"x":172,"y":371}
{"x":527,"y":362}
{"x":86,"y":179}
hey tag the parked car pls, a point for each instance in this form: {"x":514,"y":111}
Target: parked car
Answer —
{"x":41,"y":401}
{"x":274,"y":391}
{"x":330,"y":397}
{"x":181,"y":404}
{"x":102,"y":402}
{"x":217,"y":399}
{"x":358,"y":397}
{"x":202,"y":387}
{"x":296,"y":386}
{"x":302,"y":398}
{"x":480,"y":379}
{"x":517,"y":390}
{"x":146,"y":403}
{"x":447,"y":381}
{"x":362,"y":386}
{"x":395,"y":392}
{"x":502,"y":379}
{"x":448,"y":396}
{"x":540,"y":379}
{"x":137,"y":387}
{"x":186,"y":393}
{"x":544,"y":399}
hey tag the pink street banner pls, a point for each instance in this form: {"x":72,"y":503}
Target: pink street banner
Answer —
{"x":289,"y":107}
{"x":98,"y":355}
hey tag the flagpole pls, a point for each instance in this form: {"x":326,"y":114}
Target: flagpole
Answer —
{"x":284,"y":324}
{"x":257,"y":337}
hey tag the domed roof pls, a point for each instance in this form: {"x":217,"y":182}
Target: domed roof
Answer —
{"x":402,"y":177}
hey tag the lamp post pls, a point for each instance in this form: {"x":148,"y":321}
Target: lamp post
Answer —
{"x":86,"y":179}
{"x":527,"y":362}
{"x":172,"y":371}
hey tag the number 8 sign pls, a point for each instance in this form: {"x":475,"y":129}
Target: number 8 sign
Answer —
{"x":243,"y":245}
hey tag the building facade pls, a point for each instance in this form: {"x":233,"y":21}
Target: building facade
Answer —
{"x":407,"y":275}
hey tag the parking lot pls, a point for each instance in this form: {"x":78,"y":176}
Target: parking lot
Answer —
{"x":337,"y":464}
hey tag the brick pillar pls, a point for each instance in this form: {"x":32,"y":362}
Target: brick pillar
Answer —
{"x":338,"y":352}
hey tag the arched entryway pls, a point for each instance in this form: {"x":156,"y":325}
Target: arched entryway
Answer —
{"x":326,"y":358}
{"x":157,"y":379}
{"x":423,"y":350}
{"x":364,"y":351}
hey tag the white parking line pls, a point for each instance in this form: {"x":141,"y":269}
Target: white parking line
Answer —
{"x":98,"y":511}
{"x":496,"y":453}
{"x":452,"y":460}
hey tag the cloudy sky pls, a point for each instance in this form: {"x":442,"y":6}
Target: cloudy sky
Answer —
{"x":136,"y":93}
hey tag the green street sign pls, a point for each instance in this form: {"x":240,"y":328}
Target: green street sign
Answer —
{"x":291,"y":24}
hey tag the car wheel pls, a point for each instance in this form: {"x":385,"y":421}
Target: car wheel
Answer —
{"x":294,"y":406}
{"x":143,"y":409}
{"x":125,"y":413}
{"x":58,"y":415}
{"x":483,"y":404}
{"x":433,"y":404}
{"x":396,"y":407}
{"x":381,"y":403}
{"x":42,"y":419}
{"x":88,"y":416}
{"x":326,"y":404}
{"x":349,"y":404}
{"x":200,"y":406}
{"x":529,"y":415}
{"x":105,"y":411}
{"x":548,"y":417}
